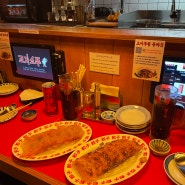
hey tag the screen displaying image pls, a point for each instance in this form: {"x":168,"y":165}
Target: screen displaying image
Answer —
{"x":17,"y":9}
{"x":174,"y":74}
{"x":33,"y":62}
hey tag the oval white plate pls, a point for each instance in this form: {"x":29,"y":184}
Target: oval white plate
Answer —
{"x":8,"y":88}
{"x":172,"y":171}
{"x":118,"y":174}
{"x":133,"y":115}
{"x":17,"y":150}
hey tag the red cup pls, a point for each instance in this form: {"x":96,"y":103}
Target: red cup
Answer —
{"x":50,"y":98}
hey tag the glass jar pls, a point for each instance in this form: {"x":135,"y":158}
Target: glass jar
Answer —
{"x":88,"y":110}
{"x":163,"y":111}
{"x":81,"y":93}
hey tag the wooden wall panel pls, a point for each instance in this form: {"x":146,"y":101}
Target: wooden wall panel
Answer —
{"x":100,"y":46}
{"x":3,"y":66}
{"x":77,"y":50}
{"x":74,"y":52}
{"x":130,"y":87}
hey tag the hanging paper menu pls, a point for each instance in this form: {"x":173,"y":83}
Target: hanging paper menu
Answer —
{"x":104,"y":63}
{"x":5,"y":49}
{"x":148,"y":55}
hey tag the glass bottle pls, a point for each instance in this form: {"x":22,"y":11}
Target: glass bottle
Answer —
{"x":90,"y":11}
{"x":97,"y":96}
{"x":62,"y":14}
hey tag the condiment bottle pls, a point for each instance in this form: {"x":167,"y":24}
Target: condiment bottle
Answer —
{"x":97,"y":96}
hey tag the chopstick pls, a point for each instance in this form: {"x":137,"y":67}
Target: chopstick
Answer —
{"x":80,"y":73}
{"x":4,"y":117}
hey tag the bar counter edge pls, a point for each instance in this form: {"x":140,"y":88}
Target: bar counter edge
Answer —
{"x":168,"y":35}
{"x":25,"y":174}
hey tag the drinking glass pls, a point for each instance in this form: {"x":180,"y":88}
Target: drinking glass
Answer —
{"x":163,"y":111}
{"x":50,"y":98}
{"x":69,"y":96}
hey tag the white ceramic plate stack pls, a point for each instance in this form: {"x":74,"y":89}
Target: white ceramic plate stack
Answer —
{"x":133,"y":119}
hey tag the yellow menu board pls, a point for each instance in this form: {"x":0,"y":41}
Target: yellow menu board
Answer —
{"x":148,"y":55}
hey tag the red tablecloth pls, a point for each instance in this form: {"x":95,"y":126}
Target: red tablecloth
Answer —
{"x":152,"y":173}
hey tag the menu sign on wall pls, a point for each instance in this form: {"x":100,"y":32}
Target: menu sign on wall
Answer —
{"x":104,"y":63}
{"x":148,"y":55}
{"x":5,"y":49}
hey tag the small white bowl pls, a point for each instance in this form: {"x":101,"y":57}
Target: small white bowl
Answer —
{"x":159,"y":147}
{"x":108,"y":115}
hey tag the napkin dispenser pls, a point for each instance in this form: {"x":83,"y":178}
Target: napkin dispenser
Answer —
{"x":110,"y":102}
{"x":111,"y":98}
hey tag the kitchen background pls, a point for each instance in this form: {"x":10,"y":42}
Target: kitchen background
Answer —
{"x":131,"y":5}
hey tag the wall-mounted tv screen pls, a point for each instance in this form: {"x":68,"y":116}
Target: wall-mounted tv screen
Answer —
{"x":173,"y":73}
{"x":33,"y":61}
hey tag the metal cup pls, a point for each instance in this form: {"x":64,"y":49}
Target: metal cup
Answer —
{"x":163,"y":111}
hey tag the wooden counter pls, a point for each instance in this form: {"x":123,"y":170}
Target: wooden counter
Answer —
{"x":168,"y":35}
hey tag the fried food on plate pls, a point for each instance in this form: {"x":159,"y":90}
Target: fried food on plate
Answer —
{"x":94,"y":164}
{"x":50,"y":139}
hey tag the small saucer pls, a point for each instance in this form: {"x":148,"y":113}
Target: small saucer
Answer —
{"x":29,"y":115}
{"x":108,"y":115}
{"x":159,"y":147}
